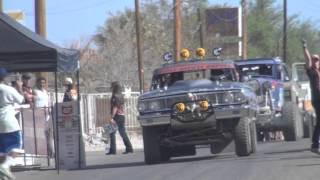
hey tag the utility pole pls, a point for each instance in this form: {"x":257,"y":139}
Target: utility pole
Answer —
{"x":40,"y":19}
{"x":140,"y":65}
{"x":177,"y":29}
{"x":1,"y":6}
{"x":40,"y":25}
{"x":200,"y":28}
{"x":284,"y":31}
{"x":244,"y":27}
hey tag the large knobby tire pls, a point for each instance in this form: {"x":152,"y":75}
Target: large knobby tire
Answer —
{"x":291,"y":115}
{"x":153,"y":152}
{"x":242,"y":137}
{"x":253,"y":134}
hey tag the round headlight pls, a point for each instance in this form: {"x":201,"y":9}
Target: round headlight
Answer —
{"x":154,"y":105}
{"x":239,"y":97}
{"x":204,"y":105}
{"x":142,"y":106}
{"x":180,"y":107}
{"x":227,"y":97}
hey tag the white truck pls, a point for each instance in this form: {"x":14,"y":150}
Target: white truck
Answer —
{"x":303,"y":96}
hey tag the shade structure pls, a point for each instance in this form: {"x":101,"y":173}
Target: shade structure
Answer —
{"x":22,"y":50}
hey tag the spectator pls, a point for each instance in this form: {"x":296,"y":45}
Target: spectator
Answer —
{"x":41,"y":100}
{"x":15,"y":85}
{"x":70,"y":93}
{"x":118,"y":118}
{"x":26,"y":89}
{"x":10,"y":132}
{"x":313,"y":71}
{"x":40,"y":94}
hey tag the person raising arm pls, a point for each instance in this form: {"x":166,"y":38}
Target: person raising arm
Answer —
{"x":313,"y":72}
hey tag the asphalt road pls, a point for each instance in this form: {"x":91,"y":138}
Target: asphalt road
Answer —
{"x":273,"y":161}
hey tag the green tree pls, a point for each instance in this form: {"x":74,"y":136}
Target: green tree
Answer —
{"x":116,"y":40}
{"x":265,"y":32}
{"x":264,"y":22}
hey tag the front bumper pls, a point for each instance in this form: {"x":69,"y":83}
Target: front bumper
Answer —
{"x":220,"y":113}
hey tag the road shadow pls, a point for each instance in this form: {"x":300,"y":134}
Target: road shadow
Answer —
{"x":113,"y":165}
{"x":307,"y":165}
{"x":288,"y":151}
{"x":142,"y":163}
{"x":201,"y":158}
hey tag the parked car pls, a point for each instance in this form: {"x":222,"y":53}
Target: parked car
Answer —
{"x":303,"y":95}
{"x":278,"y":108}
{"x":193,"y":103}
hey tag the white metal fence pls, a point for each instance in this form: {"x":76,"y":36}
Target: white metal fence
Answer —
{"x":95,"y":111}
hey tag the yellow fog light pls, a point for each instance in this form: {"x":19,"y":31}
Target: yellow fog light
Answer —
{"x":201,"y":52}
{"x":180,"y":107}
{"x":204,"y":105}
{"x":185,"y":54}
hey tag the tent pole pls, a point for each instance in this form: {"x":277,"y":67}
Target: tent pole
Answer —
{"x":57,"y":164}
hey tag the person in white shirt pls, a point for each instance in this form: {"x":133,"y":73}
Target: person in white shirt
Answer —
{"x":40,"y":94}
{"x":41,"y":100}
{"x":10,"y":131}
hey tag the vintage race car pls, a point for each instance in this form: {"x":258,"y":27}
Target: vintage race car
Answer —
{"x":278,"y":108}
{"x":197,"y":102}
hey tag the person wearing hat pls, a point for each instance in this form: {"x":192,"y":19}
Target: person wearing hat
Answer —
{"x":10,"y":131}
{"x":70,"y":93}
{"x":26,"y":89}
{"x":313,"y":71}
{"x":118,"y":118}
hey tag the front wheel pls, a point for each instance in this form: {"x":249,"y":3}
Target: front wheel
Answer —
{"x":253,"y":134}
{"x":242,"y":137}
{"x":292,"y":116}
{"x":153,"y":151}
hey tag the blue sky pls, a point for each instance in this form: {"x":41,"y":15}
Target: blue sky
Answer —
{"x":69,"y":20}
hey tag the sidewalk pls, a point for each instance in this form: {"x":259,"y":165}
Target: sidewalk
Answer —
{"x":98,"y":145}
{"x":92,"y":146}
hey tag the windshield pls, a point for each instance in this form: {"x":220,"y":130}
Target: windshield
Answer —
{"x":301,"y":73}
{"x":167,"y":80}
{"x":252,"y":70}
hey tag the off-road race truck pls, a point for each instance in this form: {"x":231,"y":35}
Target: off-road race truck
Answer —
{"x":278,"y":108}
{"x":197,"y":102}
